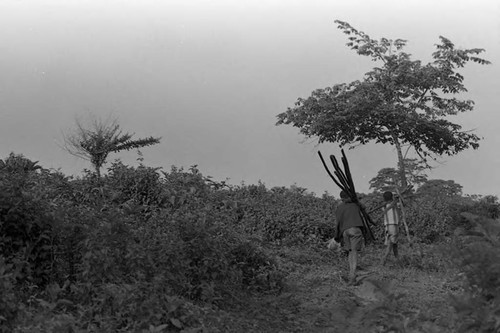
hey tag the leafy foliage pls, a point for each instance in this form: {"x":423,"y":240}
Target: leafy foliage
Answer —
{"x":113,"y":257}
{"x":96,"y":141}
{"x":487,"y":206}
{"x":18,"y":164}
{"x":286,"y":215}
{"x":387,"y":179}
{"x":25,"y":228}
{"x":478,"y":256}
{"x":9,"y":302}
{"x":440,"y":188}
{"x":402,"y":102}
{"x":150,"y":250}
{"x":433,"y":212}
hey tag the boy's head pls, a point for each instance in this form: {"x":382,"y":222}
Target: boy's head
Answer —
{"x":388,"y":196}
{"x":344,"y":196}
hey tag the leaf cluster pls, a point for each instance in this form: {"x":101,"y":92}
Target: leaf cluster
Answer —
{"x":131,"y":254}
{"x":477,"y":255}
{"x":94,"y":142}
{"x":283,"y":215}
{"x":401,"y":102}
{"x":149,"y":249}
{"x":387,"y":179}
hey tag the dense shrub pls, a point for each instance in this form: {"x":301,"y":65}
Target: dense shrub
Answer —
{"x":477,"y":255}
{"x":25,"y":228}
{"x":137,"y":249}
{"x":126,"y":252}
{"x":141,"y":185}
{"x":433,"y":217}
{"x":9,"y":300}
{"x":291,"y":215}
{"x":430,"y":218}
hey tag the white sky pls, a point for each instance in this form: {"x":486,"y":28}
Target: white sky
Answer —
{"x":209,"y":77}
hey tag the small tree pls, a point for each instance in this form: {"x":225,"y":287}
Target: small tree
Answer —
{"x":402,"y":102}
{"x":100,"y":138}
{"x":387,"y":179}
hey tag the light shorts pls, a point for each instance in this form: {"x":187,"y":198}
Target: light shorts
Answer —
{"x":353,"y":239}
{"x":391,"y":234}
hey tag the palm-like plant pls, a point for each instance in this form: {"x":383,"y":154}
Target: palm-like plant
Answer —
{"x":102,"y":137}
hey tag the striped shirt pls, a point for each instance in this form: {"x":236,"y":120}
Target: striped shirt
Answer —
{"x":391,"y":215}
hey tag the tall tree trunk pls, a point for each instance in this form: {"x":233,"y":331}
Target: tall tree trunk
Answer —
{"x":100,"y":202}
{"x":98,"y":173}
{"x":401,"y":163}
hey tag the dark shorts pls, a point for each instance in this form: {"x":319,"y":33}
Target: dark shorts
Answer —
{"x":353,"y":239}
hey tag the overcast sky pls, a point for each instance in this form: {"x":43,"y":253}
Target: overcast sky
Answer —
{"x":209,"y":77}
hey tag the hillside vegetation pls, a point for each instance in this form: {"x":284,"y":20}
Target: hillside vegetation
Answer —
{"x":148,"y":250}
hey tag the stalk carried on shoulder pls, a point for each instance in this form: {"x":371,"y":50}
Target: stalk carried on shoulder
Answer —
{"x":343,"y":179}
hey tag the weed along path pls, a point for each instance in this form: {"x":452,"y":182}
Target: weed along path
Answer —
{"x":384,"y":299}
{"x":317,"y":299}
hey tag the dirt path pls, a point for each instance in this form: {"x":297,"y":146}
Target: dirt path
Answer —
{"x":318,"y":300}
{"x":325,"y":303}
{"x":384,"y":299}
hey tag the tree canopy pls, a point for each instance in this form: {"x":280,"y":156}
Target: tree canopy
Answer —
{"x":441,"y":188}
{"x":401,"y":102}
{"x":387,"y":179}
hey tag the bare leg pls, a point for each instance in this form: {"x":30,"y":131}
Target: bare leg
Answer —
{"x":353,"y":263}
{"x":386,"y":254}
{"x":395,"y":250}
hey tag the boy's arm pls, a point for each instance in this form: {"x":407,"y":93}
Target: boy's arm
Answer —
{"x":401,"y":203}
{"x":391,"y":205}
{"x":337,"y":233}
{"x":337,"y":226}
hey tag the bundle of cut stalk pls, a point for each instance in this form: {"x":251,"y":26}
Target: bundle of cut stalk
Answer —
{"x":343,"y":179}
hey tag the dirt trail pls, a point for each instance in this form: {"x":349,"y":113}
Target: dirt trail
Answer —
{"x":382,"y":297}
{"x":318,"y":300}
{"x":325,"y":303}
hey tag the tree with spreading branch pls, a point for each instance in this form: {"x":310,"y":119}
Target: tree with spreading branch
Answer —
{"x":403,"y":102}
{"x":95,"y":141}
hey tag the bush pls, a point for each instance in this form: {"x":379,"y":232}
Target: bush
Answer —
{"x":285,"y":215}
{"x":25,"y":229}
{"x":434,"y":218}
{"x":477,"y":254}
{"x":258,"y":270}
{"x":141,"y":185}
{"x":9,"y":301}
{"x":133,"y":251}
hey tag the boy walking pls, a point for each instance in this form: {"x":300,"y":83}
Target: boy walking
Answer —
{"x":391,"y":223}
{"x":348,"y":228}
